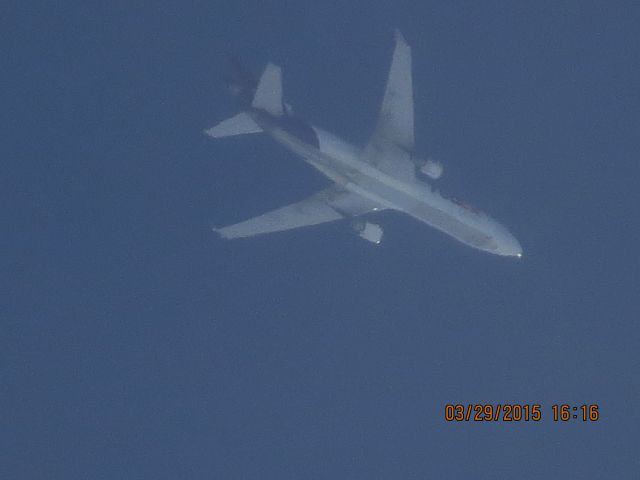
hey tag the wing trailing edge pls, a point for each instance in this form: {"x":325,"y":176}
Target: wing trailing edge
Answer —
{"x":325,"y":206}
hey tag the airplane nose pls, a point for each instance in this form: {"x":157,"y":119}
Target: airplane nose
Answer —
{"x":514,"y":249}
{"x":509,"y":246}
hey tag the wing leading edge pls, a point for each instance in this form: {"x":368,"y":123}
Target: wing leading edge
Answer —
{"x":325,"y":206}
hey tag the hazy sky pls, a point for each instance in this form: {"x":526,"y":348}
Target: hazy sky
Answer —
{"x":135,"y":344}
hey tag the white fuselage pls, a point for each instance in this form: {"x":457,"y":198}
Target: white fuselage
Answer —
{"x":343,"y":163}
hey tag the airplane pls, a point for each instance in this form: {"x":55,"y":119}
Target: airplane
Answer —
{"x":384,"y":175}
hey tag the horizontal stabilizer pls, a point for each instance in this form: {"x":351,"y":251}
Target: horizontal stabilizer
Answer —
{"x":268,"y":95}
{"x":237,"y":125}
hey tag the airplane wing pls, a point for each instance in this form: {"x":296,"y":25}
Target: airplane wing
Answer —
{"x":395,"y":123}
{"x":327,"y":205}
{"x":392,"y":141}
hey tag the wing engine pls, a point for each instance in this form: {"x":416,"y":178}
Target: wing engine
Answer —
{"x":371,"y":232}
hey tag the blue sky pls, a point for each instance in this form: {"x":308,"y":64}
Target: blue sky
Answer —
{"x":136,"y":344}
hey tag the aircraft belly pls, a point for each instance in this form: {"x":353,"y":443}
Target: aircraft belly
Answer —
{"x":455,"y":227}
{"x":339,"y":161}
{"x":436,"y":212}
{"x":335,"y":147}
{"x":443,"y":218}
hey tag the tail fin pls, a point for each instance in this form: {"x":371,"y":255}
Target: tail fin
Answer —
{"x":269,"y":91}
{"x":268,"y":97}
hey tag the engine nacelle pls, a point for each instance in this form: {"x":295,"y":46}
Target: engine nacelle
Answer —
{"x":432,"y":169}
{"x":371,"y":232}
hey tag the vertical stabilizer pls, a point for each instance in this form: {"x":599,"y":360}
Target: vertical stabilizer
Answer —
{"x":269,"y":92}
